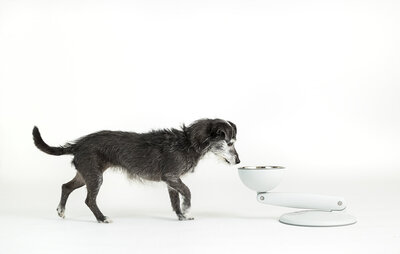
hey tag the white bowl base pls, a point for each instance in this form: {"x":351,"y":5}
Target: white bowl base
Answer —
{"x":313,"y":218}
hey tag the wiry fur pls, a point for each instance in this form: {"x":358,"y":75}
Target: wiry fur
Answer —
{"x":162,"y":155}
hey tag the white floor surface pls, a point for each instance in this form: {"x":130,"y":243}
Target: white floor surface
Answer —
{"x":223,"y":223}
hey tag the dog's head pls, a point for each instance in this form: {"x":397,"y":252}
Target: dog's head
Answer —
{"x":217,"y":136}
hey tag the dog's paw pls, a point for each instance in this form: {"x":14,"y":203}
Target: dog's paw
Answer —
{"x":105,"y":220}
{"x":61,"y":212}
{"x":185,"y":208}
{"x":182,"y":217}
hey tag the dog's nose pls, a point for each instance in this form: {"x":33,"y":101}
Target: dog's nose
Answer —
{"x":237,"y":160}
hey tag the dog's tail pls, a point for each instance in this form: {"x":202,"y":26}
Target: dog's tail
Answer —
{"x":39,"y":143}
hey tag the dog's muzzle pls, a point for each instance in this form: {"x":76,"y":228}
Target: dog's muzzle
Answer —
{"x":237,"y":161}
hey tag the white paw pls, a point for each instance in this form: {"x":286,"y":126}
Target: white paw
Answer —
{"x":61,"y":212}
{"x":185,"y":209}
{"x":106,"y":220}
{"x":183,"y":217}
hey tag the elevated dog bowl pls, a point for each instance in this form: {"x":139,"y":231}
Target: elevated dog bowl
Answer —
{"x":326,"y":210}
{"x":261,"y":178}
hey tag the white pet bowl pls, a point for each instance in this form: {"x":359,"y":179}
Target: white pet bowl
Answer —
{"x":261,"y":178}
{"x":326,"y":210}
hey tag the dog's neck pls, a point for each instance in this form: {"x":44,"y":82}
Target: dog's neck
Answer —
{"x":196,"y":140}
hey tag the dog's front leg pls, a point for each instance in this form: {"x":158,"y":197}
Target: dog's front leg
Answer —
{"x":176,"y":187}
{"x":175,"y":202}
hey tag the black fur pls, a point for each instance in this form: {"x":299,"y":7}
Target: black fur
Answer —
{"x":162,"y":155}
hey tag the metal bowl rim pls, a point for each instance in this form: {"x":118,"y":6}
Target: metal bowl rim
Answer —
{"x":260,"y":167}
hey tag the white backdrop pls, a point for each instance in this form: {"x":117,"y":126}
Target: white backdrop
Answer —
{"x":311,"y":85}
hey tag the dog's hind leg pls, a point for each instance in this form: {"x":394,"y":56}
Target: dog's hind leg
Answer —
{"x":93,"y":183}
{"x":176,"y":187}
{"x":66,"y":189}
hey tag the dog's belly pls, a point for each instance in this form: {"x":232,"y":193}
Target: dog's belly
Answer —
{"x":152,"y":174}
{"x":143,"y":173}
{"x":137,"y":176}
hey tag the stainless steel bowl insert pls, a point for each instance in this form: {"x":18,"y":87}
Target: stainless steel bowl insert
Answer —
{"x":261,"y":167}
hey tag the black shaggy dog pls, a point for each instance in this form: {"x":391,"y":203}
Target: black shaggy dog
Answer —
{"x":162,"y":155}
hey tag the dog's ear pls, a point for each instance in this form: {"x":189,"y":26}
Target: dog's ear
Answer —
{"x":219,"y":131}
{"x":234,"y":129}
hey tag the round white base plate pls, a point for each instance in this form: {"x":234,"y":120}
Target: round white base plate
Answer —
{"x":312,"y":218}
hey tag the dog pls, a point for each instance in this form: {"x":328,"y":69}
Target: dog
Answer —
{"x":159,"y":155}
